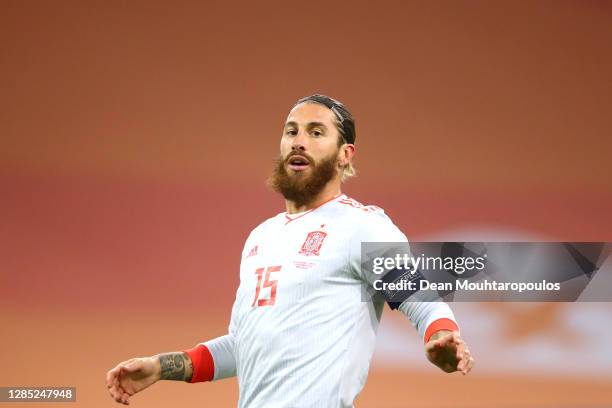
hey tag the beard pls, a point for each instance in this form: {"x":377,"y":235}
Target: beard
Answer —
{"x":304,"y":186}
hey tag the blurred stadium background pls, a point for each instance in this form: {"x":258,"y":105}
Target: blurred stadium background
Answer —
{"x":136,"y":138}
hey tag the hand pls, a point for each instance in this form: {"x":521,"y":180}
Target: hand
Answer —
{"x":132,"y":376}
{"x":449,"y":352}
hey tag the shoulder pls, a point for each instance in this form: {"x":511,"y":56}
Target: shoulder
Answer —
{"x":355,"y":207}
{"x":362,"y":213}
{"x":266,"y":224}
{"x":260,"y":230}
{"x":369,"y":221}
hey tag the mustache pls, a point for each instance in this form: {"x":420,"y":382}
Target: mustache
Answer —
{"x":295,"y":153}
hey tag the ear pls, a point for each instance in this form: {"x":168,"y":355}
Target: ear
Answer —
{"x":345,"y":156}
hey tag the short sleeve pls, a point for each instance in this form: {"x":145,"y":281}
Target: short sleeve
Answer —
{"x":380,"y":235}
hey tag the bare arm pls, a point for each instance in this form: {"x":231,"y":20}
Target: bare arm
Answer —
{"x":132,"y":376}
{"x":175,"y":366}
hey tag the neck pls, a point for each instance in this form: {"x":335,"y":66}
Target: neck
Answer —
{"x":331,"y":190}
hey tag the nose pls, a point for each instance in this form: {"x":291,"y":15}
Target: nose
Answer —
{"x":298,"y":142}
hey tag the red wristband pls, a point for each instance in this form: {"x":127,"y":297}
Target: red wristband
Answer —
{"x":440,"y":324}
{"x":202,"y":362}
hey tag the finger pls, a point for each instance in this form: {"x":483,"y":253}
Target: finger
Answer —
{"x":122,"y":399}
{"x":118,"y":387}
{"x":128,"y":395}
{"x":470,"y":365}
{"x":464,"y":370}
{"x":462,"y":357}
{"x":116,"y":383}
{"x":115,"y":392}
{"x":117,"y":396}
{"x":455,"y":339}
{"x":466,"y":354}
{"x":461,"y":365}
{"x":467,"y":363}
{"x":111,"y":375}
{"x":460,"y":351}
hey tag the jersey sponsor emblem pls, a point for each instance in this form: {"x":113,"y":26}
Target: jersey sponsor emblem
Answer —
{"x":313,"y":242}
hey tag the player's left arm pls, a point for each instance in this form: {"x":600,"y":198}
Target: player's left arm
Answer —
{"x":436,"y":324}
{"x":434,"y":321}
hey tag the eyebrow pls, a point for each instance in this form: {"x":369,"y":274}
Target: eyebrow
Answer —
{"x":308,"y":125}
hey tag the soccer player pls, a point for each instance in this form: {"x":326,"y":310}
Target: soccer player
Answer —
{"x":301,"y":333}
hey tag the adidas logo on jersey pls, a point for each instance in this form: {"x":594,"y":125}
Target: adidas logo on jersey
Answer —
{"x":252,"y":252}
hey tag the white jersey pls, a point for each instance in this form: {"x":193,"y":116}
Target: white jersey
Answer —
{"x":301,"y":333}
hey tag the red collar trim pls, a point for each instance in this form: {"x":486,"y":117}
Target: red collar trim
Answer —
{"x":289,"y":219}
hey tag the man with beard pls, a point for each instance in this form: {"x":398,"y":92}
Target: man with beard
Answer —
{"x":300,"y":333}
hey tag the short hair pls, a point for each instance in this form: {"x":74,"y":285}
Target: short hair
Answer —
{"x":344,"y":121}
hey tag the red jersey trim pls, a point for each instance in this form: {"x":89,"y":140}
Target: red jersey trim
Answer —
{"x":289,"y":219}
{"x":202,"y":362}
{"x":440,"y":324}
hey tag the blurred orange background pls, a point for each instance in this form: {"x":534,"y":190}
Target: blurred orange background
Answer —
{"x":136,"y":138}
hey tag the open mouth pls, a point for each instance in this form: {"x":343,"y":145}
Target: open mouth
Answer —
{"x":298,"y":163}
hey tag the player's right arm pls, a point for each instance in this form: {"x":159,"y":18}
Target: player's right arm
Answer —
{"x":212,"y":360}
{"x":134,"y":375}
{"x":209,"y":361}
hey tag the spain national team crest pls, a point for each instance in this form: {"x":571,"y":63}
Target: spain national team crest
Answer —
{"x":312,"y":244}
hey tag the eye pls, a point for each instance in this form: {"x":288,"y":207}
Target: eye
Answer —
{"x":291,"y":132}
{"x":317,"y":132}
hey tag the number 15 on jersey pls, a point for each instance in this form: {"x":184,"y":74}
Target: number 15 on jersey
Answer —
{"x":264,"y":281}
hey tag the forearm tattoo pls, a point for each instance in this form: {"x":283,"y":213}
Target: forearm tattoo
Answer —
{"x":175,"y":366}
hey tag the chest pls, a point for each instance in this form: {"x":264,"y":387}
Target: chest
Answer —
{"x":292,"y":263}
